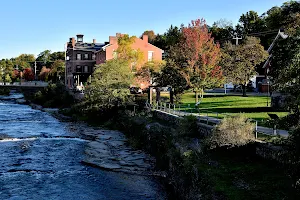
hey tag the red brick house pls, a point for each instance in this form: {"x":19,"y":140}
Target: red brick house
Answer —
{"x":150,"y":51}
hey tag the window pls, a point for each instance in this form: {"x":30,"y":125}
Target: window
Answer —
{"x":78,"y":56}
{"x":86,"y":56}
{"x":86,"y":69}
{"x":94,"y":57}
{"x":115,"y":54}
{"x":150,"y":55}
{"x":68,"y":58}
{"x":78,"y":68}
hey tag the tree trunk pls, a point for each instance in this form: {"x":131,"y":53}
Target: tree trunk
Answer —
{"x":196,"y":95}
{"x":171,"y":96}
{"x":244,"y":90}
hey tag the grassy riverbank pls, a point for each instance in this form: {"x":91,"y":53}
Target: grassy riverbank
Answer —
{"x":195,"y":173}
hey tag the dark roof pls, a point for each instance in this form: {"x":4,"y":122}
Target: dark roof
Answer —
{"x":89,"y":46}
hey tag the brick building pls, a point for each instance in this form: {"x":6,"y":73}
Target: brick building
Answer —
{"x":81,"y":57}
{"x":150,"y":51}
{"x":80,"y":60}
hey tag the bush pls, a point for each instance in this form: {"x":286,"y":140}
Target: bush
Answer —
{"x":55,"y":95}
{"x":188,"y":127}
{"x":4,"y":91}
{"x":231,"y":132}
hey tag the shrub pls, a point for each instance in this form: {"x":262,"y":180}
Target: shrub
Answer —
{"x":231,"y":132}
{"x":4,"y":91}
{"x":188,"y":127}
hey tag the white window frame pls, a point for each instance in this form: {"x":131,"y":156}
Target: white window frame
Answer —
{"x":78,"y":56}
{"x":152,"y":53}
{"x":86,"y":56}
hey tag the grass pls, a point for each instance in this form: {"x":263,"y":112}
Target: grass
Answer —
{"x":220,"y":105}
{"x":243,"y":177}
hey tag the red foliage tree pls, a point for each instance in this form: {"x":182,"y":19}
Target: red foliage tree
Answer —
{"x":201,"y":55}
{"x":28,"y":74}
{"x":15,"y":74}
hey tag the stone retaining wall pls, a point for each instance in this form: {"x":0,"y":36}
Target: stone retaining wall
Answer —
{"x":264,"y":150}
{"x":272,"y":152}
{"x":204,"y":129}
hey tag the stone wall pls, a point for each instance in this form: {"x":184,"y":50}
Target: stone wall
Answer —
{"x":272,"y":152}
{"x":204,"y":129}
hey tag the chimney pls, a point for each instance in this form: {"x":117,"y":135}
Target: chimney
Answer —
{"x":79,"y":38}
{"x":145,"y":38}
{"x":113,"y":40}
{"x":94,"y":41}
{"x":118,"y":34}
{"x":73,"y":41}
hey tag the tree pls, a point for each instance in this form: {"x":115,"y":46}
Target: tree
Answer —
{"x":252,"y":23}
{"x":28,"y":74}
{"x":59,"y":55}
{"x":7,"y":78}
{"x":57,"y":70}
{"x":168,"y":39}
{"x":44,"y":74}
{"x":238,"y":62}
{"x":286,"y":16}
{"x":145,"y":75}
{"x":15,"y":75}
{"x":44,"y":56}
{"x":110,"y":86}
{"x":126,"y":52}
{"x":285,"y":70}
{"x":170,"y":76}
{"x":23,"y":61}
{"x":201,"y":56}
{"x":151,"y":35}
{"x":222,"y":31}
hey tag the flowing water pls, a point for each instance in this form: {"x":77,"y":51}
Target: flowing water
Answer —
{"x":41,"y":159}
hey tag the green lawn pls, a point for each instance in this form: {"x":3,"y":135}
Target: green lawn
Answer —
{"x":254,"y":107}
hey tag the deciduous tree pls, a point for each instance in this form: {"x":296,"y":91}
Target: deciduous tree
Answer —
{"x":44,"y":74}
{"x":238,"y":62}
{"x":28,"y":74}
{"x":201,"y":56}
{"x":110,"y":86}
{"x":134,"y":57}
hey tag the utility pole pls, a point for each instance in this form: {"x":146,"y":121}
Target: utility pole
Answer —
{"x":236,"y":38}
{"x":34,"y":70}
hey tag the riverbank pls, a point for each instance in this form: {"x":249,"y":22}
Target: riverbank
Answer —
{"x":191,"y":172}
{"x":45,"y":158}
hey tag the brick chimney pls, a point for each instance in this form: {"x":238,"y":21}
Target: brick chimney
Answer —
{"x":145,"y":38}
{"x":73,"y":41}
{"x":94,"y":41}
{"x":113,"y":40}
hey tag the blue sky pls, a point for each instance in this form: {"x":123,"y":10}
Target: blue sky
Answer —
{"x":31,"y":26}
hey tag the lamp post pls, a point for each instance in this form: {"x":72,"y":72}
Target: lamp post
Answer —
{"x":268,"y":82}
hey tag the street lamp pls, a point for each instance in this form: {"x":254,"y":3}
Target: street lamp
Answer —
{"x":268,"y":82}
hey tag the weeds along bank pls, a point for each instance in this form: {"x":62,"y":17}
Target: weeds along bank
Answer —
{"x":224,"y":165}
{"x":221,"y":166}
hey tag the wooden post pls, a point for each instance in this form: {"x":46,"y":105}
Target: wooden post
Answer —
{"x":150,"y":95}
{"x":255,"y":129}
{"x":171,"y":95}
{"x":157,"y":94}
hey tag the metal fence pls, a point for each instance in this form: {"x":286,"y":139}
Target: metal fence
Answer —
{"x":205,"y":116}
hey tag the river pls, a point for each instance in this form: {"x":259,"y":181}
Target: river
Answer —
{"x":41,"y":158}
